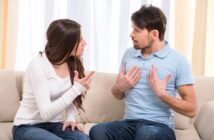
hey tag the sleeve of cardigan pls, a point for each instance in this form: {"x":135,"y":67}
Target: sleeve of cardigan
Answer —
{"x":71,"y":112}
{"x":48,"y":109}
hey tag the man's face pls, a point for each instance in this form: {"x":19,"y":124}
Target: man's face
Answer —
{"x":140,"y":37}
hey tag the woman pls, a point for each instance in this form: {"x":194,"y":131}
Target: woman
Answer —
{"x":54,"y":82}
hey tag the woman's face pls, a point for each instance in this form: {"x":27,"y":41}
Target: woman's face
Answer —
{"x":79,"y":49}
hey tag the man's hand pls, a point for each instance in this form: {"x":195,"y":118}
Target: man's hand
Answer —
{"x":72,"y":126}
{"x":158,"y":86}
{"x":185,"y":106}
{"x":126,"y":81}
{"x":86,"y":81}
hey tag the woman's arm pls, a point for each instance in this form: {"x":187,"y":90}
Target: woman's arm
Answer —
{"x":48,"y":109}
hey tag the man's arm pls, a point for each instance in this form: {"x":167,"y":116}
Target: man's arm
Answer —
{"x":185,"y":106}
{"x":125,"y":82}
{"x":117,"y":93}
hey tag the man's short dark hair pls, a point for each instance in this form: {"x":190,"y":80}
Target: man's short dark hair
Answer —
{"x":151,"y":18}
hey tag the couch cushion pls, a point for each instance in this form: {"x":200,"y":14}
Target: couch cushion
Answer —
{"x":188,"y":134}
{"x":19,"y":82}
{"x":204,"y":89}
{"x":181,"y":122}
{"x":205,"y":121}
{"x":9,"y":96}
{"x":99,"y":104}
{"x":88,"y":126}
{"x":6,"y":131}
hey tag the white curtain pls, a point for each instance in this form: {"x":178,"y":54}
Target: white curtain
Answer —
{"x":106,"y":26}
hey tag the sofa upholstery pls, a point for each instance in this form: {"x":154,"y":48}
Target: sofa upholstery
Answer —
{"x":101,"y":106}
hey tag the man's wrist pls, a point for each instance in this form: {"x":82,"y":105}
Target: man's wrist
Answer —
{"x":118,"y":88}
{"x":117,"y":92}
{"x":163,"y":95}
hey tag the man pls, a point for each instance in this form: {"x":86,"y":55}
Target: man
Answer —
{"x":151,"y":72}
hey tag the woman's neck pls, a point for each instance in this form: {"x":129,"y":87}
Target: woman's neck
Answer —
{"x":62,"y":70}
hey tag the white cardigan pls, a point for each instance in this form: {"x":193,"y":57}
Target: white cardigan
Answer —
{"x":46,"y":95}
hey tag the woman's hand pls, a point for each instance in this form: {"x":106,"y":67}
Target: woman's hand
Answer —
{"x":86,"y":81}
{"x":72,"y":126}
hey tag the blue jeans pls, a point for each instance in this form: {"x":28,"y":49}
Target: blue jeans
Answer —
{"x":46,"y":131}
{"x":132,"y":130}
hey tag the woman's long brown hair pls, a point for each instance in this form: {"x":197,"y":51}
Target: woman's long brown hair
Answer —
{"x":63,"y":36}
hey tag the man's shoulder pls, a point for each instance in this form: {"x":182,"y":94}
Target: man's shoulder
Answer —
{"x":130,"y":49}
{"x":131,"y":52}
{"x":177,"y":55}
{"x":178,"y":60}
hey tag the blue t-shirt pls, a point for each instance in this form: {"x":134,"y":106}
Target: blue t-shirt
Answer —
{"x":140,"y":101}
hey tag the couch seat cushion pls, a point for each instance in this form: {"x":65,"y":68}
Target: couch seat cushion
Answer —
{"x":6,"y":131}
{"x":188,"y":134}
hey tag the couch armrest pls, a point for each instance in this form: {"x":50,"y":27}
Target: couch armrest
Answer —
{"x":205,"y":121}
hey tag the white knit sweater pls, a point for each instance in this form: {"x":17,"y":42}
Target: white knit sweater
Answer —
{"x":46,"y":95}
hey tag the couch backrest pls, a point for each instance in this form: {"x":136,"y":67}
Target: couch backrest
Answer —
{"x":101,"y":106}
{"x":19,"y":82}
{"x":9,"y":95}
{"x":204,"y":88}
{"x":99,"y":103}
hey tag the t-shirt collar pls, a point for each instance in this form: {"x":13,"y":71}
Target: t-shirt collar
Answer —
{"x":163,"y":52}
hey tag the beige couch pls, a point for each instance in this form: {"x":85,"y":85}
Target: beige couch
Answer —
{"x":100,"y":106}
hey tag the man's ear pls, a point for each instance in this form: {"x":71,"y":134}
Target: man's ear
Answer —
{"x":155,"y":34}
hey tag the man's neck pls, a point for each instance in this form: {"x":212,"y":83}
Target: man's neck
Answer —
{"x":155,"y":46}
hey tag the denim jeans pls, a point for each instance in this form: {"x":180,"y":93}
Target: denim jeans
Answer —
{"x":46,"y":131}
{"x":132,"y":130}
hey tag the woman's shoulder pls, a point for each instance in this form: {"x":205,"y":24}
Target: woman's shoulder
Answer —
{"x":38,"y":63}
{"x":37,"y":60}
